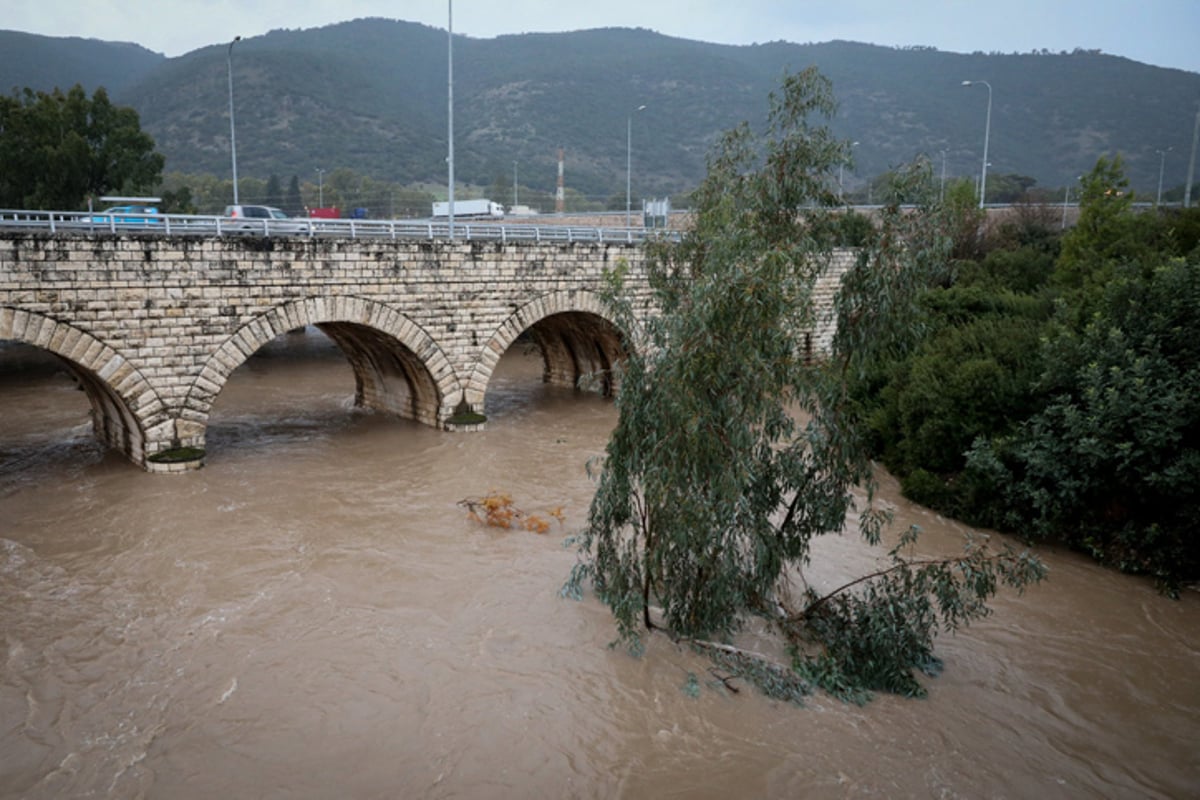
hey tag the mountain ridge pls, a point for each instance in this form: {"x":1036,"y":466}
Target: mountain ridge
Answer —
{"x":370,"y":95}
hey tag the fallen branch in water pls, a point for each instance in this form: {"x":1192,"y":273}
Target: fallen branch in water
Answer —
{"x":496,"y":510}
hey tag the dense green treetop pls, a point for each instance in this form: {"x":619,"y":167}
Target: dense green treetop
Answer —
{"x":58,"y":149}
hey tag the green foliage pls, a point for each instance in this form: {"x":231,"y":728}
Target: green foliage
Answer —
{"x":274,"y":191}
{"x":58,"y":149}
{"x":846,"y":229}
{"x":974,"y":371}
{"x":876,"y":638}
{"x":971,"y":378}
{"x":177,"y":201}
{"x":1112,"y":463}
{"x":1181,"y":229}
{"x":1027,"y":225}
{"x":1008,"y":188}
{"x":293,"y":203}
{"x":1108,"y":233}
{"x":777,"y":681}
{"x":960,"y":202}
{"x":1022,"y":271}
{"x":1081,"y":424}
{"x":732,"y":450}
{"x":971,"y":374}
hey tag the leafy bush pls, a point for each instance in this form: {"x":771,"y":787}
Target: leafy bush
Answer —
{"x":1025,"y":270}
{"x":1082,"y":426}
{"x":1112,"y":464}
{"x":971,"y":378}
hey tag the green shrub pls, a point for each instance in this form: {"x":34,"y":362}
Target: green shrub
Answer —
{"x":1111,"y":465}
{"x":967,"y":381}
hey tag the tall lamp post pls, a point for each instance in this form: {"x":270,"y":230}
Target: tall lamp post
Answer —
{"x":320,"y":188}
{"x":514,"y":183}
{"x":1162,"y":163}
{"x":1066,"y":199}
{"x":629,"y":163}
{"x":942,"y":190}
{"x":987,"y":130}
{"x":450,"y":117}
{"x":1187,"y":187}
{"x":841,"y":172}
{"x":232,"y":134}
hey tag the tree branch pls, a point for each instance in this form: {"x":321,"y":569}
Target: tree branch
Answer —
{"x":878,"y":574}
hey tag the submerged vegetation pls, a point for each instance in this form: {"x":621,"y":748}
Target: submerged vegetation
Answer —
{"x":713,"y":487}
{"x":496,"y":510}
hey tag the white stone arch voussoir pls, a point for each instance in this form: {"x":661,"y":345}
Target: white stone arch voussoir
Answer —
{"x":256,"y":333}
{"x":127,"y":411}
{"x":521,"y":320}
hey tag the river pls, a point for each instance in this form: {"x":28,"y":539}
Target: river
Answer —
{"x":312,"y":615}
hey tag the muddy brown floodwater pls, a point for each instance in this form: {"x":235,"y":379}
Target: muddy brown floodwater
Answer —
{"x":312,"y":616}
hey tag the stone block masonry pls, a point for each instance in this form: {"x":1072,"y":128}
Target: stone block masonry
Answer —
{"x":153,"y":326}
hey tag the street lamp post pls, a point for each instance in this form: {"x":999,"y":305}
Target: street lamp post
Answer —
{"x":1187,"y":187}
{"x":942,"y":190}
{"x":514,"y":183}
{"x":232,"y":133}
{"x":987,"y":130}
{"x":1162,"y":163}
{"x":841,"y":172}
{"x":320,"y":188}
{"x":629,"y":163}
{"x":450,"y":117}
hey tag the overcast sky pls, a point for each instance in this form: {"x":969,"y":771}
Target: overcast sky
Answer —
{"x":1160,"y":32}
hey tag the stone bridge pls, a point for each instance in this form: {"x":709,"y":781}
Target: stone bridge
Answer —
{"x":152,"y":326}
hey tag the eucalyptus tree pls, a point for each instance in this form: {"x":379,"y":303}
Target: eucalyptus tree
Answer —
{"x":734,"y":449}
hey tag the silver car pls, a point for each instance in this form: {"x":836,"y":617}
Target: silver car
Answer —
{"x":262,"y":219}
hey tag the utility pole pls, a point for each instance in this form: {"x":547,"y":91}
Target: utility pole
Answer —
{"x":560,"y":196}
{"x":1187,"y":192}
{"x":232,"y":130}
{"x":450,"y":110}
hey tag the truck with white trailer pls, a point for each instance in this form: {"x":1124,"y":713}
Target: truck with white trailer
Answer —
{"x":470,"y":209}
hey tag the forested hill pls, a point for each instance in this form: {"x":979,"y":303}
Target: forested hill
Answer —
{"x":44,"y":62}
{"x":371,"y":95}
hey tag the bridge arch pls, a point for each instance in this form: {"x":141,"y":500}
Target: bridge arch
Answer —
{"x":397,"y":366}
{"x":577,"y":339}
{"x":127,"y":412}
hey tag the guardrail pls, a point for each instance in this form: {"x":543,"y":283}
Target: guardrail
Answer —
{"x":195,"y":225}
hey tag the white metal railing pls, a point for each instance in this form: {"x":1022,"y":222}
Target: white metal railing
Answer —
{"x":198,"y":225}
